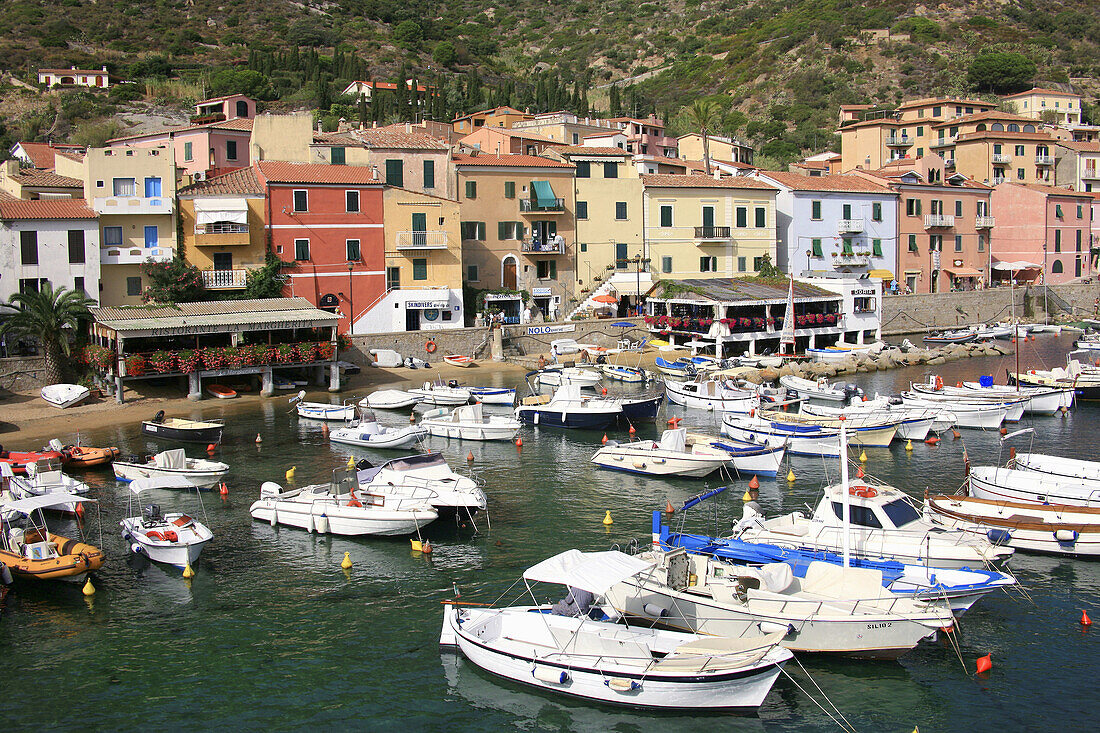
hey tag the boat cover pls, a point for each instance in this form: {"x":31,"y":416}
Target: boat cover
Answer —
{"x":54,"y":498}
{"x":139,"y":485}
{"x":595,"y":572}
{"x":175,"y":458}
{"x":674,"y":440}
{"x":468,"y":413}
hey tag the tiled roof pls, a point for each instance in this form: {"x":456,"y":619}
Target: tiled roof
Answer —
{"x":1040,"y":90}
{"x":36,"y":177}
{"x":1052,"y":190}
{"x":505,"y":110}
{"x":894,"y":176}
{"x":582,"y":150}
{"x":389,"y":137}
{"x":74,"y":155}
{"x":241,"y":182}
{"x":41,"y":154}
{"x":513,"y":161}
{"x":277,"y":171}
{"x":853,"y":184}
{"x":71,"y":71}
{"x":667,"y":180}
{"x":1081,"y":146}
{"x":926,"y":101}
{"x":241,"y":123}
{"x":13,"y":208}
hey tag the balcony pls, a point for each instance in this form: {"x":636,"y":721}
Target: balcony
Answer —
{"x":943,"y":142}
{"x":542,"y":248}
{"x":224,"y":279}
{"x":120,"y":255}
{"x":1091,"y":173}
{"x":712,"y":232}
{"x":851,"y":260}
{"x":222,"y":239}
{"x":542,"y":206}
{"x":1002,"y":158}
{"x":1044,"y":160}
{"x":132,"y":205}
{"x":984,"y":222}
{"x":998,"y":180}
{"x":938,"y":221}
{"x":422,"y":240}
{"x":893,"y":141}
{"x":850,"y":226}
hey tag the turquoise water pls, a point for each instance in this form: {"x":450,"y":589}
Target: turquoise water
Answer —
{"x":271,"y":633}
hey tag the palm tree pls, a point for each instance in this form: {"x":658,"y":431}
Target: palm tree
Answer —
{"x":44,"y":315}
{"x":706,"y":115}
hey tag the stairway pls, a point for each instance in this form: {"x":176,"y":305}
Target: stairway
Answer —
{"x":586,"y":306}
{"x":626,"y":282}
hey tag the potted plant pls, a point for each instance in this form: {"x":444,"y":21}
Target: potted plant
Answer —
{"x":213,"y":358}
{"x":324,"y":350}
{"x":286,"y":353}
{"x":162,"y":361}
{"x":188,"y":361}
{"x":97,"y":357}
{"x":135,"y":365}
{"x":307,"y":351}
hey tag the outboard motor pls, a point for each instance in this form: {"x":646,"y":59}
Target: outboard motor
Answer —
{"x":363,"y":464}
{"x":150,"y":514}
{"x":452,"y":383}
{"x":159,"y":417}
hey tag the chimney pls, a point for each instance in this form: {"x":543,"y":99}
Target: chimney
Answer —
{"x":408,"y":127}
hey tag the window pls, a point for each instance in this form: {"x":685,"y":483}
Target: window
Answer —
{"x":351,"y":201}
{"x":982,"y":208}
{"x":876,"y":211}
{"x":847,"y":211}
{"x":546,"y":269}
{"x":1058,"y":210}
{"x":816,"y":244}
{"x":1057,"y":240}
{"x":301,"y":249}
{"x":337,"y":156}
{"x":756,"y":263}
{"x":473,"y":230}
{"x":188,"y":151}
{"x":935,"y":206}
{"x":28,"y":285}
{"x":666,"y":265}
{"x":429,"y":174}
{"x":958,"y":207}
{"x":393,"y":278}
{"x":761,"y":218}
{"x":509,"y":189}
{"x":28,"y":248}
{"x":112,"y":236}
{"x":666,"y":216}
{"x":133,"y":284}
{"x":583,"y":246}
{"x":584,"y":169}
{"x":997,"y":148}
{"x":936,"y":111}
{"x":981,"y":243}
{"x":420,"y":268}
{"x":576,"y":138}
{"x":815,"y":210}
{"x":876,"y":247}
{"x":912,"y":207}
{"x":582,"y":209}
{"x":620,"y":210}
{"x":1078,"y":240}
{"x":958,"y":243}
{"x":353,"y":250}
{"x":935,"y":243}
{"x":920,"y":131}
{"x":1079,"y":211}
{"x":846,"y":246}
{"x":395,"y":173}
{"x":472,"y":274}
{"x":1019,"y":150}
{"x":76,"y":246}
{"x":301,"y":200}
{"x":78,"y":286}
{"x":913,"y":243}
{"x":471,"y":189}
{"x":740,"y":265}
{"x":1056,"y":267}
{"x":152,"y":187}
{"x":1020,"y":173}
{"x":708,"y":264}
{"x":231,"y":149}
{"x":507,"y":230}
{"x":610,"y":170}
{"x":124,"y":187}
{"x":742,"y":217}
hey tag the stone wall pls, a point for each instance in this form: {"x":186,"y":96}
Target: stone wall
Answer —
{"x":22,"y":372}
{"x":919,"y":313}
{"x":1080,"y":297}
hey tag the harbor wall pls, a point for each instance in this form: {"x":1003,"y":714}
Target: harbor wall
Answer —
{"x":22,"y":372}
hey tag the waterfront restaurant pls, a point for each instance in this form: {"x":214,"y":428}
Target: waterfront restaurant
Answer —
{"x":745,"y":315}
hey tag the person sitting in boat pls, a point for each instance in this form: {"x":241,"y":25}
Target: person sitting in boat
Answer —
{"x":577,"y":602}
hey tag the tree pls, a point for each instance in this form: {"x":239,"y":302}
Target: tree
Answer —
{"x":44,"y":315}
{"x":445,"y":54}
{"x":409,"y":34}
{"x":266,"y":281}
{"x":767,"y":269}
{"x":1001,"y":72}
{"x":240,"y":81}
{"x":705,"y":115}
{"x":174,"y":281}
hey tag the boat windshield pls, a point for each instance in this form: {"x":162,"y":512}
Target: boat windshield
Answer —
{"x":900,"y":512}
{"x":410,"y":463}
{"x":861,"y":516}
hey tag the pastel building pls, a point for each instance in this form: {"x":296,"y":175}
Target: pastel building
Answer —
{"x":564,"y":127}
{"x":230,"y":107}
{"x":1077,"y":165}
{"x":404,"y":155}
{"x":199,"y":150}
{"x":48,"y":241}
{"x":497,"y":117}
{"x":646,"y":136}
{"x":1049,"y":226}
{"x":690,"y":147}
{"x":74,"y":77}
{"x":1048,"y":105}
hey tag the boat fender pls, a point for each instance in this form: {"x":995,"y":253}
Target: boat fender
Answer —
{"x":654,"y":611}
{"x":618,"y":684}
{"x":542,"y":361}
{"x":939,"y":383}
{"x":5,"y":574}
{"x":550,"y":675}
{"x":1067,"y":536}
{"x":999,"y":536}
{"x":771,"y":627}
{"x":137,"y":549}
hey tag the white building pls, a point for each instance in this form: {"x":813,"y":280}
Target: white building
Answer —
{"x":74,"y":77}
{"x":48,"y":240}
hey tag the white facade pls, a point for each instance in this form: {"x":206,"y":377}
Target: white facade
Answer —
{"x":861,"y":306}
{"x":96,"y":78}
{"x":54,"y":263}
{"x":427,"y":309}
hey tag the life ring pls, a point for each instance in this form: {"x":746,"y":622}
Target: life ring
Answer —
{"x":354,"y":502}
{"x":869,"y":493}
{"x":542,"y":362}
{"x":171,"y":536}
{"x":430,"y":346}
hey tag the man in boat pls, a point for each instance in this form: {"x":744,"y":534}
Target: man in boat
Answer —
{"x":577,"y":602}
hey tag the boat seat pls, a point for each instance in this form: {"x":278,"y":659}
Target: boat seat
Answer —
{"x":835,"y":581}
{"x":15,"y":540}
{"x":794,"y":531}
{"x":541,"y":399}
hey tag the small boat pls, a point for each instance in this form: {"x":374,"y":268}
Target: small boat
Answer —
{"x":385,"y":358}
{"x":841,"y":351}
{"x":1007,"y":484}
{"x":554,"y":376}
{"x":440,"y":394}
{"x":221,"y":391}
{"x":1040,"y":400}
{"x":960,"y":414}
{"x":282,"y":383}
{"x":493,"y":395}
{"x":670,"y":456}
{"x":621,"y":373}
{"x":715,"y":394}
{"x":863,"y":429}
{"x":565,"y":650}
{"x":183,"y":429}
{"x":83,"y":456}
{"x":1083,"y":380}
{"x":32,"y":551}
{"x":390,"y":399}
{"x":469,"y":422}
{"x":747,"y":459}
{"x":459,"y":360}
{"x":959,"y":336}
{"x":566,"y":408}
{"x":173,"y":538}
{"x":681,"y":368}
{"x":639,"y":409}
{"x":801,"y":440}
{"x":368,"y":433}
{"x":323,"y":410}
{"x":820,"y":391}
{"x":1066,"y":469}
{"x":452,"y":493}
{"x":935,"y":391}
{"x":915,"y":423}
{"x":201,"y":473}
{"x":44,"y":477}
{"x":1049,"y":529}
{"x":65,"y":395}
{"x":19,"y":460}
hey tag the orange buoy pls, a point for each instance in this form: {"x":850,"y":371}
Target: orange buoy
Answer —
{"x":955,"y":433}
{"x":604,"y":440}
{"x":864,"y":398}
{"x":1013,"y":339}
{"x":519,"y":442}
{"x":224,"y":490}
{"x":79,"y":509}
{"x":669,"y":510}
{"x":754,"y":483}
{"x":959,"y":384}
{"x":258,"y":438}
{"x":211,"y":448}
{"x":324,"y":428}
{"x":1085,"y":620}
{"x":984,"y":664}
{"x":632,"y":430}
{"x":859,"y":472}
{"x":470,"y":457}
{"x":933,"y":440}
{"x":1004,"y":431}
{"x":426,"y":548}
{"x":603,"y":390}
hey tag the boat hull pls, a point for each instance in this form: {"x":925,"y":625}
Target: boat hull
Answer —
{"x":473,"y":431}
{"x":392,"y":438}
{"x":653,"y":463}
{"x":182,"y":435}
{"x":798,"y":444}
{"x":494,"y":396}
{"x":576,"y":419}
{"x":200,"y":479}
{"x":1035,"y":528}
{"x":330,"y":518}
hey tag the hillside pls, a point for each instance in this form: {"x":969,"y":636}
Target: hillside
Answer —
{"x":778,"y":68}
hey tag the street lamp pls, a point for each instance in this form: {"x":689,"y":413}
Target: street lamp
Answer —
{"x":808,"y":255}
{"x":351,"y":300}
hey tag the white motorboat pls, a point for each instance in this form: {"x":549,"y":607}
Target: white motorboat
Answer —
{"x":65,"y":395}
{"x":201,"y":473}
{"x":173,"y":538}
{"x":1040,"y":400}
{"x":366,"y":432}
{"x":935,"y":391}
{"x":43,"y":478}
{"x":670,"y":456}
{"x":820,"y":390}
{"x":625,"y":374}
{"x":339,"y":508}
{"x":555,"y":376}
{"x":390,"y":399}
{"x":884,"y":525}
{"x":452,"y":492}
{"x":1050,"y":529}
{"x":801,"y":440}
{"x":863,"y":428}
{"x":719,"y":395}
{"x":438,"y":393}
{"x":469,"y":422}
{"x":566,"y":408}
{"x":1007,"y":484}
{"x":831,"y":609}
{"x":493,"y":395}
{"x":323,"y":410}
{"x":578,"y":656}
{"x":1083,"y":379}
{"x":747,"y":459}
{"x":915,"y":424}
{"x":1067,"y":469}
{"x":962,"y":415}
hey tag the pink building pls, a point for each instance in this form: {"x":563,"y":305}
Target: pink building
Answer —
{"x":646,"y":137}
{"x":208,"y":149}
{"x":220,"y":109}
{"x":1048,"y":226}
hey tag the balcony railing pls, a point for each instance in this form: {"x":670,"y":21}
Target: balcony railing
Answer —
{"x":542,"y":248}
{"x":1044,"y":160}
{"x":422,"y":240}
{"x":222,"y":239}
{"x":132,"y":205}
{"x":712,"y":232}
{"x":984,"y":222}
{"x":1091,"y":173}
{"x":998,"y":180}
{"x":1002,"y":158}
{"x":851,"y":260}
{"x":120,"y":255}
{"x":224,"y":279}
{"x":853,"y":226}
{"x":541,"y":206}
{"x":936,"y":221}
{"x":943,"y":142}
{"x":893,"y":141}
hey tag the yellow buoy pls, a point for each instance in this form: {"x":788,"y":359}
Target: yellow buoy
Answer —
{"x":290,"y":473}
{"x":188,"y":572}
{"x":351,"y":462}
{"x":746,"y":497}
{"x":909,"y":445}
{"x":863,"y":457}
{"x":417,"y":545}
{"x":607,"y":518}
{"x":346,"y":562}
{"x":89,"y":589}
{"x":790,"y":475}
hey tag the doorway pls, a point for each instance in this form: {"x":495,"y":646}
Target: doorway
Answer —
{"x":412,"y":319}
{"x":223,"y":260}
{"x":508,"y":274}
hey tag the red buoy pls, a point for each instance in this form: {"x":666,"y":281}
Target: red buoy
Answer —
{"x":932,"y":440}
{"x":470,"y":457}
{"x":604,"y":441}
{"x":984,"y":664}
{"x":1004,"y":431}
{"x":519,"y":442}
{"x":632,"y":430}
{"x":79,"y":509}
{"x":211,"y":448}
{"x":670,"y":510}
{"x":426,"y":548}
{"x":603,"y":390}
{"x":955,"y":433}
{"x":859,"y":472}
{"x":1085,"y":620}
{"x":224,"y":490}
{"x":754,"y":483}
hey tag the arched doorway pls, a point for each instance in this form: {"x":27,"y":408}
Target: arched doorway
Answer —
{"x":508,"y":273}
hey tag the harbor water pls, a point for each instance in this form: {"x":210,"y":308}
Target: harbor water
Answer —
{"x":272,"y":634}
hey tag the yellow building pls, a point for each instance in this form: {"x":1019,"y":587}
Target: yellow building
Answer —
{"x":996,"y":157}
{"x":564,"y":127}
{"x":699,"y":226}
{"x":1048,"y":105}
{"x":222,"y":226}
{"x":727,"y":149}
{"x":25,"y":182}
{"x":134,"y":191}
{"x":497,"y":117}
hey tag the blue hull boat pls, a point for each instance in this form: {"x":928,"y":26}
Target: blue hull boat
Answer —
{"x":641,"y":410}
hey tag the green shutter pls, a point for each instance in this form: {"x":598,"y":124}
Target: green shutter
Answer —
{"x":761,"y":218}
{"x":876,"y":247}
{"x":553,"y":269}
{"x":876,"y":211}
{"x":913,"y":243}
{"x":742,"y":217}
{"x":1058,"y":210}
{"x":847,"y":211}
{"x":471,"y":189}
{"x":395,"y":175}
{"x":817,"y":248}
{"x":509,"y":189}
{"x":481,"y":231}
{"x":846,"y":249}
{"x":420,"y":269}
{"x":815,"y":207}
{"x":337,"y":156}
{"x":666,"y":216}
{"x":429,"y":174}
{"x":500,"y":230}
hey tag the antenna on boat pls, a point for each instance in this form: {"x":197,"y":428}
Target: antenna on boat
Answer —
{"x":844,"y":490}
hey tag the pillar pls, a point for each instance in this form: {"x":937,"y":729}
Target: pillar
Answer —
{"x":267,"y":382}
{"x":319,"y":374}
{"x":194,"y":387}
{"x":333,"y":376}
{"x":118,"y":390}
{"x":497,"y":344}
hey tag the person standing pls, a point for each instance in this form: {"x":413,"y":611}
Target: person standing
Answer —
{"x":527,"y":313}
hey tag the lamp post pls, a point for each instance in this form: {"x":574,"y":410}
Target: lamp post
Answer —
{"x":809,"y":252}
{"x":351,"y":300}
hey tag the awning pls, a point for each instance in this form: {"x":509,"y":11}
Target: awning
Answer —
{"x":1014,"y":266}
{"x":208,"y":211}
{"x":544,"y":195}
{"x":881,"y":274}
{"x":594,"y":572}
{"x":963,"y":272}
{"x":43,"y":501}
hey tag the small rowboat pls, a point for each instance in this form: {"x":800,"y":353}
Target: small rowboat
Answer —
{"x":221,"y":391}
{"x":65,"y":395}
{"x":83,"y":456}
{"x":18,"y":460}
{"x":459,"y":360}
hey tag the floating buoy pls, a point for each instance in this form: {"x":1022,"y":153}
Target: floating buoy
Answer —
{"x":754,"y":483}
{"x":1004,"y":431}
{"x":223,"y":490}
{"x":519,"y":442}
{"x":603,"y":390}
{"x":470,"y":457}
{"x":747,"y":496}
{"x":88,"y":589}
{"x":188,"y":572}
{"x":79,"y":509}
{"x":1085,"y":620}
{"x":859,"y":472}
{"x":955,"y":433}
{"x":984,"y":664}
{"x":412,"y":419}
{"x":259,"y":438}
{"x":790,"y":475}
{"x":909,"y":445}
{"x":1012,"y":453}
{"x":632,"y":430}
{"x":1013,"y":339}
{"x":290,"y":473}
{"x":211,"y":448}
{"x":324,"y":428}
{"x":346,"y":562}
{"x":417,"y":545}
{"x":668,"y":506}
{"x":864,"y":398}
{"x":426,"y":548}
{"x":863,"y":457}
{"x":607,"y":518}
{"x":351,"y":462}
{"x":932,"y":440}
{"x":604,"y":439}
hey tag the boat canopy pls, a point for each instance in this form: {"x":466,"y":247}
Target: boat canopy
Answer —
{"x":174,"y":458}
{"x":139,"y":485}
{"x":594,"y":572}
{"x":44,"y":501}
{"x":674,"y":440}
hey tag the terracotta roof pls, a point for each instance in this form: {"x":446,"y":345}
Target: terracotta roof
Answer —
{"x":241,"y":182}
{"x":992,"y":135}
{"x":666,"y":180}
{"x":277,"y":171}
{"x":987,"y":115}
{"x":1081,"y":147}
{"x":1040,"y":90}
{"x":389,"y":137}
{"x":74,"y":155}
{"x":582,"y":150}
{"x":496,"y":110}
{"x":45,"y":209}
{"x":219,"y":99}
{"x":41,"y":154}
{"x":388,"y":85}
{"x":638,"y":120}
{"x":853,"y":184}
{"x":513,"y":161}
{"x":241,"y":123}
{"x":895,"y":176}
{"x":36,"y":177}
{"x":1051,"y":190}
{"x":944,"y":101}
{"x":877,"y":122}
{"x":70,"y":71}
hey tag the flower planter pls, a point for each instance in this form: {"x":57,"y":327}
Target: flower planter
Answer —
{"x":135,"y":365}
{"x":188,"y":361}
{"x":162,"y":362}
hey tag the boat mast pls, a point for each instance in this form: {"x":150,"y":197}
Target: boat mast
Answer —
{"x":787,"y":335}
{"x":846,"y":524}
